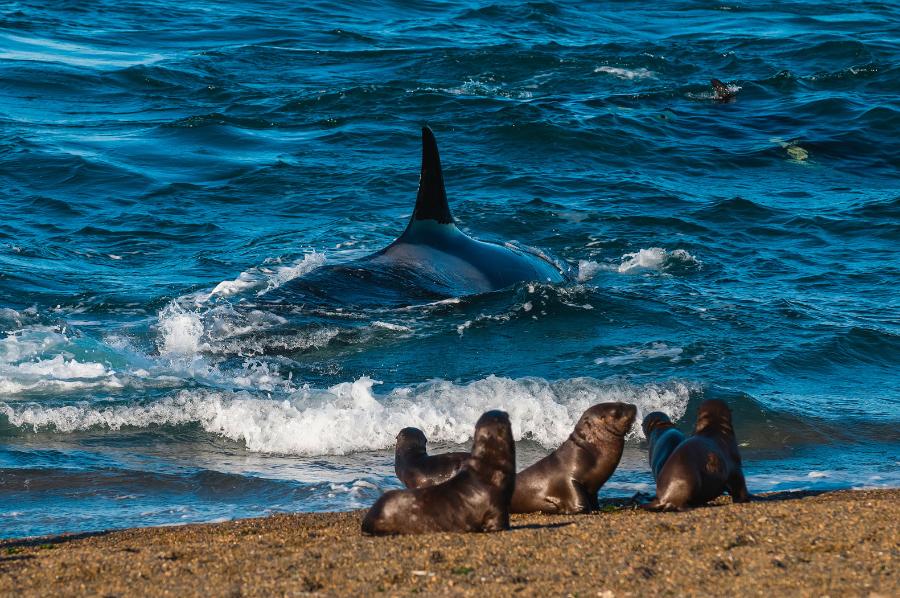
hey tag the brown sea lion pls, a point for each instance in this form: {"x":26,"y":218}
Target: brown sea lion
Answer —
{"x":567,"y":480}
{"x":474,"y":500}
{"x":663,"y":437}
{"x":416,"y":468}
{"x":703,"y":466}
{"x":723,"y":93}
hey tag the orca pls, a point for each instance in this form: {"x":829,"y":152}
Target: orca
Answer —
{"x":433,"y":258}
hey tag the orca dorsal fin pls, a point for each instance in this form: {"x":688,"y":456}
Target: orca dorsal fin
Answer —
{"x":431,"y":202}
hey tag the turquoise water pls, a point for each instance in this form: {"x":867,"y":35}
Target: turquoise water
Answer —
{"x":164,"y":166}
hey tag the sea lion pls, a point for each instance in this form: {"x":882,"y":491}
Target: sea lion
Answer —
{"x":416,"y":468}
{"x":567,"y":480}
{"x":474,"y":500}
{"x":703,"y":466}
{"x":723,"y":93}
{"x":663,"y":437}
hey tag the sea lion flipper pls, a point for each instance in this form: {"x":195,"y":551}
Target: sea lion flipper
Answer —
{"x":554,"y":502}
{"x":657,"y":505}
{"x":496,"y":521}
{"x":585,"y":502}
{"x":737,"y":488}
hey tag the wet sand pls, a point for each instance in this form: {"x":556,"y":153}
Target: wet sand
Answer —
{"x":833,"y":544}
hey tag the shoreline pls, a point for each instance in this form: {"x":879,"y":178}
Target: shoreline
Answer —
{"x":844,"y":542}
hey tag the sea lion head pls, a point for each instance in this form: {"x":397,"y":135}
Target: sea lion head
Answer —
{"x":656,"y":421}
{"x":602,"y":420}
{"x":714,"y":416}
{"x":411,"y":441}
{"x":493,"y":450}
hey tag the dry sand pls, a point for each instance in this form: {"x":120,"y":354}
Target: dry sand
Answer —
{"x":833,"y":544}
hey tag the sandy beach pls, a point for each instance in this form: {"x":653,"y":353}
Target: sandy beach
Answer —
{"x":832,"y":544}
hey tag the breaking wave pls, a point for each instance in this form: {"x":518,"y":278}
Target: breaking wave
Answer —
{"x":352,"y":416}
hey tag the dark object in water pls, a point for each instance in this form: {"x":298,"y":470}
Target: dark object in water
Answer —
{"x":431,"y":259}
{"x":723,"y":94}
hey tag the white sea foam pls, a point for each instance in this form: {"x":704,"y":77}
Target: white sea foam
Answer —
{"x":654,"y":351}
{"x":186,"y":332}
{"x":226,"y":288}
{"x":265,"y":278}
{"x":194,"y":324}
{"x":390,"y":326}
{"x":181,"y":331}
{"x":56,"y":374}
{"x":12,"y":387}
{"x":52,"y":360}
{"x":351,"y":416}
{"x":652,"y":258}
{"x":56,"y":359}
{"x":472,"y":87}
{"x":34,"y":358}
{"x":587,"y":269}
{"x":61,"y":368}
{"x":29,"y":342}
{"x":622,"y":73}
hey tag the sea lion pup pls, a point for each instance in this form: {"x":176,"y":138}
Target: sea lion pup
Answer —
{"x":416,"y":468}
{"x":723,"y":94}
{"x":663,"y":437}
{"x":567,"y":480}
{"x":474,"y":500}
{"x":704,"y":465}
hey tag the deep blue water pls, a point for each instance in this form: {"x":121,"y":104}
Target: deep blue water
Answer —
{"x":162,"y":164}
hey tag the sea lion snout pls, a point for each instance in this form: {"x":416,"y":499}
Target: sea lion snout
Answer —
{"x":626,"y":414}
{"x":616,"y":418}
{"x":619,"y":417}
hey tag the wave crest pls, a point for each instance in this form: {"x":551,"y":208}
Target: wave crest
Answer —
{"x":351,"y":417}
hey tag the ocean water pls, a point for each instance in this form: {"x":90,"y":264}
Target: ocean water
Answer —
{"x":163,"y":165}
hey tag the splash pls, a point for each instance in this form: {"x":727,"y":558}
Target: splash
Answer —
{"x":264,"y":278}
{"x":650,"y":259}
{"x":654,"y":258}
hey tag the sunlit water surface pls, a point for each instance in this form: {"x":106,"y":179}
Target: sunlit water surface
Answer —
{"x":164,"y":165}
